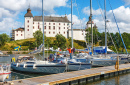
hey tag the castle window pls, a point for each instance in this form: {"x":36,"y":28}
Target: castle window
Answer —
{"x":67,"y":27}
{"x":33,"y":27}
{"x":21,"y":31}
{"x":44,"y":23}
{"x":44,"y":27}
{"x":28,"y":25}
{"x":64,"y":27}
{"x":53,"y":23}
{"x":53,"y":27}
{"x":44,"y":32}
{"x":38,"y":22}
{"x":33,"y":22}
{"x":53,"y":32}
{"x":49,"y":32}
{"x":21,"y":34}
{"x":27,"y":29}
{"x":49,"y":27}
{"x":59,"y":23}
{"x":59,"y":28}
{"x":64,"y":32}
{"x":28,"y":21}
{"x":17,"y":35}
{"x":82,"y":33}
{"x":17,"y":31}
{"x":38,"y":26}
{"x":59,"y":32}
{"x":49,"y":23}
{"x":64,"y":23}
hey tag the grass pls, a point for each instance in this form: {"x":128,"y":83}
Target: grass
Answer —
{"x":9,"y":46}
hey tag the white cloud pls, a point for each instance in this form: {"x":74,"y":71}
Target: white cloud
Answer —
{"x":127,"y":2}
{"x":122,"y":15}
{"x":86,"y":10}
{"x":7,"y":24}
{"x":11,"y":9}
{"x":78,"y":23}
{"x":20,"y":5}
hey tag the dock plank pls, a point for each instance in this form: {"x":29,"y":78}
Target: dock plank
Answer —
{"x":68,"y":76}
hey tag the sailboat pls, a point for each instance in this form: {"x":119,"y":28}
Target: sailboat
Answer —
{"x":104,"y":60}
{"x":30,"y":64}
{"x":74,"y":63}
{"x":4,"y":71}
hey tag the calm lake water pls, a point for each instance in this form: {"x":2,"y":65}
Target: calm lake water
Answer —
{"x":116,"y":80}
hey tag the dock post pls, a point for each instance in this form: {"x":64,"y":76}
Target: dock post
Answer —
{"x":117,"y":64}
{"x":69,"y":82}
{"x":78,"y":81}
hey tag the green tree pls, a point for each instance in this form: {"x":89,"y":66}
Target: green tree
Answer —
{"x":47,"y":42}
{"x":4,"y":38}
{"x":60,"y":41}
{"x":96,"y":35}
{"x":38,"y":35}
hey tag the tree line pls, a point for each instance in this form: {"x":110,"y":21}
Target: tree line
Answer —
{"x":112,"y":38}
{"x":61,"y":41}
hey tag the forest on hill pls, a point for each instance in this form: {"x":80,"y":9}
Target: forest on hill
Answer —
{"x":60,"y":41}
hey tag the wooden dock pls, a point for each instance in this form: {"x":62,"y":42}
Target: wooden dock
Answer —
{"x":58,"y":79}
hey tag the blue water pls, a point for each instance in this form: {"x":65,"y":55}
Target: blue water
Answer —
{"x":123,"y":79}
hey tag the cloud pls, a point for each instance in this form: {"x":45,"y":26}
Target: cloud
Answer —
{"x":122,"y":17}
{"x":20,"y":5}
{"x":86,"y":10}
{"x":7,"y":24}
{"x":10,"y":10}
{"x":78,"y":23}
{"x":127,"y":2}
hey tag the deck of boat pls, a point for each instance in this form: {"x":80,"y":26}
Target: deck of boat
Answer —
{"x":69,"y":76}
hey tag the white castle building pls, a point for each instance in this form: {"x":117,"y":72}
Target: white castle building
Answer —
{"x":52,"y":27}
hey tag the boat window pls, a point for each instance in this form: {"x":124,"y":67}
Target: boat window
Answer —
{"x":30,"y":62}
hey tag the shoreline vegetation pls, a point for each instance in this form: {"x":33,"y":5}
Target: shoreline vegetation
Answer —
{"x":59,"y":41}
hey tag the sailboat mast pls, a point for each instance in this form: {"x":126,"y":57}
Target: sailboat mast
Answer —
{"x":43,"y":27}
{"x":71,"y":23}
{"x":91,"y":25}
{"x":105,"y":29}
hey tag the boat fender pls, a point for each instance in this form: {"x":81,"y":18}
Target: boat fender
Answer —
{"x":24,"y":65}
{"x":13,"y":59}
{"x":17,"y":64}
{"x":34,"y":66}
{"x":7,"y":77}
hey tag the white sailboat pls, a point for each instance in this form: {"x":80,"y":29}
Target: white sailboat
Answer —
{"x":29,"y":64}
{"x":4,"y":72}
{"x":74,"y":63}
{"x":101,"y":59}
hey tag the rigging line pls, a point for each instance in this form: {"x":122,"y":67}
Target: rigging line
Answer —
{"x":118,"y":27}
{"x":112,"y":40}
{"x":109,"y":25}
{"x":79,"y":15}
{"x":100,"y":10}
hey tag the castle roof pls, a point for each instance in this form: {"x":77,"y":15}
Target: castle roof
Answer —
{"x":89,"y":22}
{"x":95,"y":26}
{"x":28,"y":14}
{"x":19,"y":29}
{"x":51,"y":19}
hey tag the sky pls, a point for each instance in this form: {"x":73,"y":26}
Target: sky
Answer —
{"x":12,"y":13}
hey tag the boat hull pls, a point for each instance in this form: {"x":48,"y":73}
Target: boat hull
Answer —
{"x":39,"y":68}
{"x":78,"y":66}
{"x":3,"y":76}
{"x":106,"y":62}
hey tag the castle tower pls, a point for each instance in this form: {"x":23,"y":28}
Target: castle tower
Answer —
{"x":28,"y":24}
{"x":89,"y":23}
